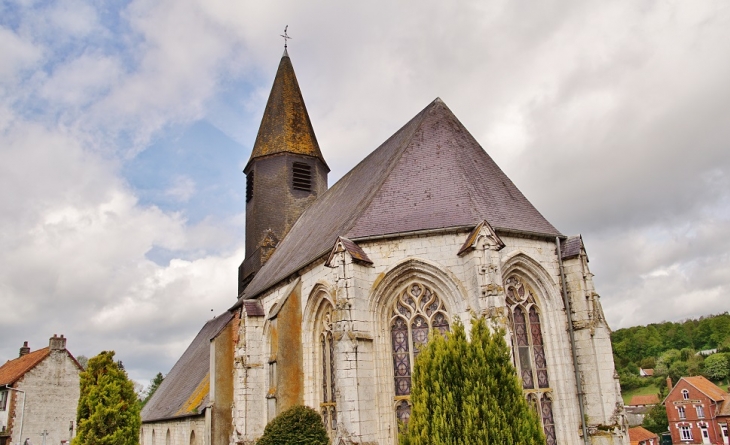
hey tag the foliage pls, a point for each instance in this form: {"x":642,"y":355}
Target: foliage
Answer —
{"x":632,"y":345}
{"x":656,"y":419}
{"x":717,"y":366}
{"x":467,"y":392}
{"x":83,"y":361}
{"x":154,"y":384}
{"x":299,"y":425}
{"x":108,"y":410}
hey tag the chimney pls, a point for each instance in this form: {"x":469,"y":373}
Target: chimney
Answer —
{"x":669,"y":383}
{"x":25,"y":349}
{"x":57,"y":343}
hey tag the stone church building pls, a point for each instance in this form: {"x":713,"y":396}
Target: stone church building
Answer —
{"x":341,"y":286}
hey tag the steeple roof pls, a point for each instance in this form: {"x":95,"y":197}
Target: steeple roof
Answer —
{"x":431,"y":174}
{"x":285,"y":127}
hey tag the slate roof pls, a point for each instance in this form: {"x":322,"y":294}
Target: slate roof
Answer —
{"x":571,"y":247}
{"x":431,"y":174}
{"x":285,"y":126}
{"x":14,"y":369}
{"x":639,"y":434}
{"x":185,"y":389}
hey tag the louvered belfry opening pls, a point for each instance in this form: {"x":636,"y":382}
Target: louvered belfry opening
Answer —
{"x":249,"y":186}
{"x":302,"y":177}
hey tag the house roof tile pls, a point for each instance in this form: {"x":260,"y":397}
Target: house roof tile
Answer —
{"x":638,"y":434}
{"x":650,"y":399}
{"x":14,"y":369}
{"x":706,"y":387}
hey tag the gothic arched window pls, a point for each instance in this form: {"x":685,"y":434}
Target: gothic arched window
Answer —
{"x":416,"y":311}
{"x":528,"y":350}
{"x":328,"y":404}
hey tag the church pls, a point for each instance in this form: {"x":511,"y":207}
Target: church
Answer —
{"x":340,"y":287}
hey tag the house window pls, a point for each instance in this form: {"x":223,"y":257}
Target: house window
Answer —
{"x":685,"y":433}
{"x":328,"y":405}
{"x":685,"y":394}
{"x":302,"y":177}
{"x":3,"y":400}
{"x":415,"y":312}
{"x":529,"y":352}
{"x":682,"y":414}
{"x":700,"y":411}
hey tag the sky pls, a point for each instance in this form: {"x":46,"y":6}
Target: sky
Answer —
{"x":124,"y":127}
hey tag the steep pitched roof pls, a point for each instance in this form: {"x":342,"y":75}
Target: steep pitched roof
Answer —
{"x":185,"y":389}
{"x":14,"y":369}
{"x":431,"y":174}
{"x":706,"y":387}
{"x":285,"y":126}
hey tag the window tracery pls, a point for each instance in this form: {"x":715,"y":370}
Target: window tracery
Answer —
{"x":328,"y":405}
{"x":528,"y":350}
{"x":415,"y":312}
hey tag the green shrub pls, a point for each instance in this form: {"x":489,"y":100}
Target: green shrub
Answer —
{"x":299,"y":425}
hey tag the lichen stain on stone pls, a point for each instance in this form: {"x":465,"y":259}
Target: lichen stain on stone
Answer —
{"x":290,"y":369}
{"x":196,"y":398}
{"x":378,"y":279}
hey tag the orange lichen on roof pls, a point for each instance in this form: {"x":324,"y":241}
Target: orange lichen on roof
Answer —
{"x":285,"y":127}
{"x":707,"y":387}
{"x":196,"y":398}
{"x":651,"y":399}
{"x":12,"y":370}
{"x":638,"y":434}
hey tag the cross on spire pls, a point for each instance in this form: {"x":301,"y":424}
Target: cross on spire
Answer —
{"x":285,"y":36}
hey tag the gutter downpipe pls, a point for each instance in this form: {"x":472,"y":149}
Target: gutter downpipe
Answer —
{"x":569,"y":313}
{"x":22,"y":413}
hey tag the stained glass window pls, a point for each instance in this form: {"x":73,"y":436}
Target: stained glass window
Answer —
{"x":416,"y":311}
{"x":529,"y":352}
{"x":328,"y":405}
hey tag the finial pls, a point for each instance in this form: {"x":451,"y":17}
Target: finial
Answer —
{"x":286,"y":36}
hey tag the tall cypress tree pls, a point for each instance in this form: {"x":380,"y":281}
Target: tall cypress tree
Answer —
{"x":467,"y":392}
{"x":108,"y":410}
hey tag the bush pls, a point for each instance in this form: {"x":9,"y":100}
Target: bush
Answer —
{"x":299,"y":425}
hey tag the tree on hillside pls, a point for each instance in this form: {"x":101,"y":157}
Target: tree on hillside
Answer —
{"x":467,"y":392}
{"x":717,"y":367}
{"x":299,"y":425}
{"x":154,"y":384}
{"x":108,"y":410}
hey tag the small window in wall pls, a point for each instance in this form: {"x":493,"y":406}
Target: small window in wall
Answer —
{"x":682,"y":414}
{"x":271,"y":395}
{"x":685,"y":433}
{"x":249,"y":186}
{"x":3,"y":400}
{"x":302,"y":177}
{"x":700,"y":411}
{"x":685,"y":394}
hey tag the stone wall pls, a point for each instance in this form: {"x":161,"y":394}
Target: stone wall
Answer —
{"x":470,"y":283}
{"x":52,"y":395}
{"x":184,"y":431}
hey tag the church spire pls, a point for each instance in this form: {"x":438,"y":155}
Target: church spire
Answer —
{"x":285,"y":127}
{"x":285,"y":174}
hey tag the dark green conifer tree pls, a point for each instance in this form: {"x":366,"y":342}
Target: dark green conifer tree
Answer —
{"x":467,"y":392}
{"x":108,"y":410}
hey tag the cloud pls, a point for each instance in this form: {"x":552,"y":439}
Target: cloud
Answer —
{"x":610,"y":117}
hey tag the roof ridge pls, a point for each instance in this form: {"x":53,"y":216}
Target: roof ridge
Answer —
{"x":415,"y":122}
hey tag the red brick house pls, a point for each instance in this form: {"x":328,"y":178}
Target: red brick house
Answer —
{"x":698,"y":412}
